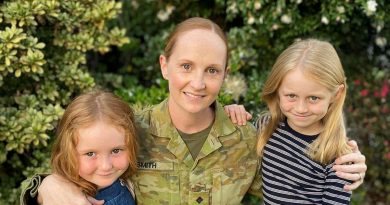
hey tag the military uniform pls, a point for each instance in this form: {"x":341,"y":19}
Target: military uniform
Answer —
{"x":167,"y":174}
{"x":222,"y":173}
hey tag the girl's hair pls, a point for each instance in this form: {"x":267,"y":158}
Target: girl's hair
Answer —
{"x":82,"y":112}
{"x":192,"y":24}
{"x":319,"y":60}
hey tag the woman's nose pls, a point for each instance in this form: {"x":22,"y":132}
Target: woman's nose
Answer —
{"x":197,"y":81}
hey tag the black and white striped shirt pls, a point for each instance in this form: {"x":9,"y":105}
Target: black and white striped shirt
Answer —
{"x":291,"y":177}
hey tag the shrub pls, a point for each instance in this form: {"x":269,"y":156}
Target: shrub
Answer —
{"x":369,"y":121}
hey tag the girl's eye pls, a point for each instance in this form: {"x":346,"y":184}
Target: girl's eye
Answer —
{"x":90,"y":154}
{"x":116,"y":151}
{"x":313,"y":98}
{"x":186,"y":66}
{"x":291,"y":96}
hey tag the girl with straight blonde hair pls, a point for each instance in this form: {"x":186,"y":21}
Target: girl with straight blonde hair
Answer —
{"x":305,"y":133}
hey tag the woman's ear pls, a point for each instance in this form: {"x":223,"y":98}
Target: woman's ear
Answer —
{"x":227,"y":71}
{"x":164,"y":67}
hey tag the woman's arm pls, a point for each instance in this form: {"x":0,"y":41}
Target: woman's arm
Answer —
{"x":351,"y":167}
{"x":55,"y":190}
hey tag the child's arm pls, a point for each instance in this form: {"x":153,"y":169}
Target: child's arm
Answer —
{"x":237,"y":114}
{"x":334,"y":192}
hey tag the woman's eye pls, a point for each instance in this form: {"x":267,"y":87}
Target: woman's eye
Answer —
{"x":213,"y":70}
{"x":186,"y":66}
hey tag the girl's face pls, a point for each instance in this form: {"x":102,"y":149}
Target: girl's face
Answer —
{"x":195,"y":70}
{"x":304,"y":102}
{"x":102,"y":153}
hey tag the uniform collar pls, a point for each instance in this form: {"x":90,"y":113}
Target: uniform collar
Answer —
{"x":162,"y":125}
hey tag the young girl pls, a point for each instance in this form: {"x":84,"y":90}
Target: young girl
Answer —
{"x":96,"y":146}
{"x":305,"y":93}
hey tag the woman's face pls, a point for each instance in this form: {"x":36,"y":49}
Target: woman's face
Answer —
{"x":195,"y":70}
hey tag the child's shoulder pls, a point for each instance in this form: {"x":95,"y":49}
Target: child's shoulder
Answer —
{"x":262,"y":120}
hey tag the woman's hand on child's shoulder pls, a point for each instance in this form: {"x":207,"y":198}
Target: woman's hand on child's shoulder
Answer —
{"x":55,"y":190}
{"x":351,"y":167}
{"x":237,"y":114}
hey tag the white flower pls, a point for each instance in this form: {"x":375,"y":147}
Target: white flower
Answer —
{"x":324,"y":20}
{"x":170,"y":8}
{"x":286,"y":19}
{"x":235,"y":85}
{"x":233,"y":8}
{"x":371,"y":6}
{"x":340,"y":9}
{"x":275,"y":27}
{"x":257,"y":5}
{"x":251,"y":20}
{"x":381,"y":41}
{"x":163,"y":15}
{"x":278,"y":9}
{"x":299,"y":1}
{"x":134,"y":4}
{"x":379,"y":27}
{"x":261,"y":19}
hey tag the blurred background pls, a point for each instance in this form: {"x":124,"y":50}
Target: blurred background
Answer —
{"x":52,"y":50}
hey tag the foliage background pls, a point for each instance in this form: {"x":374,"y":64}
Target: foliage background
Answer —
{"x":51,"y":51}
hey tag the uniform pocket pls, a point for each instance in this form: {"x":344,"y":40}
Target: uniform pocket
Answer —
{"x":230,"y":185}
{"x":157,"y":186}
{"x":199,"y":195}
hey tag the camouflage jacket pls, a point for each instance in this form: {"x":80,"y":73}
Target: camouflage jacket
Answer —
{"x":225,"y":169}
{"x":222,"y":173}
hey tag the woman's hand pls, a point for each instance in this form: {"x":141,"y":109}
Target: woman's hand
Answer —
{"x":55,"y":190}
{"x":351,"y":166}
{"x":237,"y":114}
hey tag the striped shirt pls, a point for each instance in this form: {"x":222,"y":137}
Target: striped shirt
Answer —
{"x":291,"y":177}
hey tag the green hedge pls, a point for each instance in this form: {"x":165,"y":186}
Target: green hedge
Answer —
{"x":53,"y":50}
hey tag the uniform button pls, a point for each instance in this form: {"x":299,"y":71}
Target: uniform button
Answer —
{"x":199,"y":200}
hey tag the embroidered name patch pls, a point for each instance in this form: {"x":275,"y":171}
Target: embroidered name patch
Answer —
{"x":155,"y":165}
